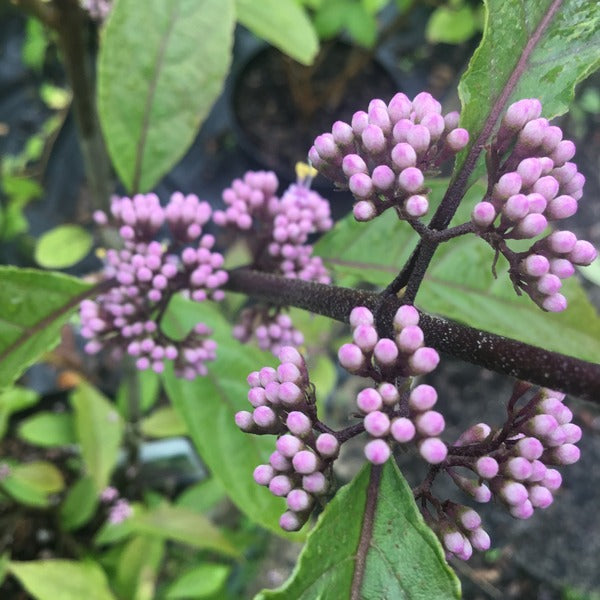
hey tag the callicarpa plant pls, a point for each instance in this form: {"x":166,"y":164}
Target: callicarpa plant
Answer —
{"x":248,"y":308}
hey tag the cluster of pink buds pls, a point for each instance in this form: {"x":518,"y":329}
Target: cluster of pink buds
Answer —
{"x":271,"y":331}
{"x":147,"y":274}
{"x":514,"y":464}
{"x":120,"y":509}
{"x":383,"y":154}
{"x":97,"y":9}
{"x":278,"y":231}
{"x":532,"y":186}
{"x":284,"y":404}
{"x":389,"y":416}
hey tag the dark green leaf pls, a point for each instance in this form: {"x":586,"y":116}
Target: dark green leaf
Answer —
{"x":34,"y":306}
{"x":208,"y":406}
{"x":402,"y":557}
{"x":161,"y":67}
{"x":62,"y":579}
{"x":138,"y":568}
{"x":14,"y":399}
{"x":34,"y":47}
{"x":62,"y":247}
{"x":361,"y":25}
{"x":163,"y":422}
{"x":99,"y":430}
{"x":79,"y":504}
{"x":282,"y":23}
{"x":48,"y":429}
{"x":199,"y":582}
{"x":547,"y":68}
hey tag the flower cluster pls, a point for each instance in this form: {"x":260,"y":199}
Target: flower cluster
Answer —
{"x":120,"y":509}
{"x":284,"y":404}
{"x":148,"y":273}
{"x":531,"y":186}
{"x":388,"y":416}
{"x":272,"y":331}
{"x":513,"y":464}
{"x":277,"y":234}
{"x":97,"y":9}
{"x":383,"y":154}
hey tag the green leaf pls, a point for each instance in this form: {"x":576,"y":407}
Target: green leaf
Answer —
{"x":330,"y":18}
{"x":35,"y":305}
{"x":402,"y":557}
{"x":361,"y":25}
{"x":201,"y":581}
{"x":138,"y":568}
{"x":62,"y":579}
{"x":451,"y":25}
{"x":12,"y":400}
{"x":202,"y":496}
{"x":48,"y":429}
{"x":4,"y":562}
{"x":55,"y":97}
{"x":283,"y":24}
{"x":99,"y":430}
{"x":79,"y":504}
{"x":591,"y":272}
{"x":145,"y":385}
{"x":34,"y":47}
{"x":160,"y":69}
{"x":567,"y":51}
{"x":62,"y":247}
{"x":182,"y":525}
{"x":459,"y":283}
{"x":208,"y":406}
{"x":163,"y":422}
{"x":32,"y":483}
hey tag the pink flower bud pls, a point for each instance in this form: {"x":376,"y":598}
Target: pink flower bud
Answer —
{"x":480,"y":539}
{"x":298,"y":423}
{"x":360,"y":185}
{"x":377,"y":451}
{"x":266,"y":375}
{"x":403,"y":155}
{"x":351,"y":357}
{"x":364,"y":211}
{"x":535,"y":265}
{"x":562,"y":207}
{"x":402,"y":430}
{"x":299,"y":500}
{"x":530,"y":170}
{"x":327,"y":445}
{"x":244,"y":420}
{"x":457,"y":139}
{"x":546,"y":186}
{"x":433,"y":450}
{"x":383,"y":177}
{"x":410,"y":338}
{"x":486,"y":467}
{"x":280,"y":485}
{"x":513,"y":493}
{"x":531,"y":226}
{"x":385,"y":352}
{"x":288,"y":445}
{"x":378,"y":115}
{"x":399,"y":107}
{"x":289,"y":394}
{"x":373,"y":139}
{"x":423,"y":361}
{"x":517,"y":468}
{"x":419,"y":138}
{"x":583,"y":253}
{"x":549,"y":284}
{"x":369,"y":400}
{"x":361,"y":315}
{"x":561,"y":267}
{"x":508,"y":185}
{"x":342,"y":133}
{"x":567,"y":454}
{"x":389,"y":393}
{"x":561,"y":242}
{"x":529,"y":448}
{"x":377,"y":423}
{"x":280,"y":462}
{"x":315,"y":483}
{"x":416,"y":206}
{"x":555,"y":303}
{"x":290,"y":521}
{"x":483,"y":214}
{"x":540,"y":496}
{"x":522,"y":511}
{"x":306,"y":462}
{"x":572,"y":433}
{"x":353,"y":164}
{"x":430,"y":423}
{"x":326,"y":146}
{"x":263,"y":474}
{"x":365,"y":337}
{"x":411,"y":180}
{"x":406,"y":316}
{"x":256,"y":397}
{"x":422,"y":398}
{"x":563,"y":152}
{"x":516,"y":207}
{"x":360,"y":120}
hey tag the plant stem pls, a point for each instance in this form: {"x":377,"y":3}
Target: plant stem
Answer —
{"x":494,"y":352}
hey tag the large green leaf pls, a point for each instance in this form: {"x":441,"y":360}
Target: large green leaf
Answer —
{"x":199,"y":582}
{"x":32,"y":483}
{"x":402,"y":558}
{"x":459,"y":283}
{"x":62,"y":246}
{"x":162,"y":65}
{"x":33,"y":307}
{"x":282,"y":23}
{"x":79,"y":504}
{"x":138,"y":568}
{"x":62,"y":579}
{"x":208,"y":406}
{"x":48,"y":429}
{"x":163,"y":422}
{"x":183,"y":525}
{"x":99,"y":429}
{"x":553,"y":45}
{"x":12,"y":400}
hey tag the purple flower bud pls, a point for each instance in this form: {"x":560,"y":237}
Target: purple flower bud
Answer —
{"x":280,"y":485}
{"x":404,"y":155}
{"x":351,"y":357}
{"x":454,"y":541}
{"x":256,"y":397}
{"x":531,"y":226}
{"x":406,"y":316}
{"x":299,"y":500}
{"x":385,"y":352}
{"x":264,"y":416}
{"x":288,"y":445}
{"x":508,"y":185}
{"x":583,"y":253}
{"x":299,"y":423}
{"x":540,"y":496}
{"x":433,"y":450}
{"x":483,"y":214}
{"x":266,"y":375}
{"x":289,"y":372}
{"x":306,"y":462}
{"x":555,"y":303}
{"x":419,"y":138}
{"x":487,"y":467}
{"x":353,"y":164}
{"x":361,"y":315}
{"x":290,"y":521}
{"x":522,"y":511}
{"x":434,"y":122}
{"x":369,"y":400}
{"x":411,"y":180}
{"x":562,"y":207}
{"x":549,"y":284}
{"x":430,"y":423}
{"x":364,"y":211}
{"x":516,"y":207}
{"x":457,"y":139}
{"x":552,"y":480}
{"x":377,"y":451}
{"x":342,"y":133}
{"x":280,"y":462}
{"x":561,"y":267}
{"x":561,"y":242}
{"x":572,"y":433}
{"x":289,"y":354}
{"x":530,"y":170}
{"x":546,"y":186}
{"x":424,"y":103}
{"x":532,"y":134}
{"x":365,"y":337}
{"x":360,"y":185}
{"x":402,"y":430}
{"x":529,"y":448}
{"x":480,"y":539}
{"x":563,"y":152}
{"x":263,"y":474}
{"x":389,"y":393}
{"x":326,"y":146}
{"x":327,"y":445}
{"x":575,"y":185}
{"x":315,"y":483}
{"x":360,"y":120}
{"x":517,"y":468}
{"x":567,"y":454}
{"x":244,"y":420}
{"x":522,"y":111}
{"x":513,"y":493}
{"x":551,"y":138}
{"x":373,"y":138}
{"x":377,"y":423}
{"x":422,"y":398}
{"x":540,"y":425}
{"x":383,"y":177}
{"x":410,"y":338}
{"x":538,"y":470}
{"x":416,"y":206}
{"x":289,"y":393}
{"x":468,"y":518}
{"x":399,"y":107}
{"x":535,"y":265}
{"x":423,"y":361}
